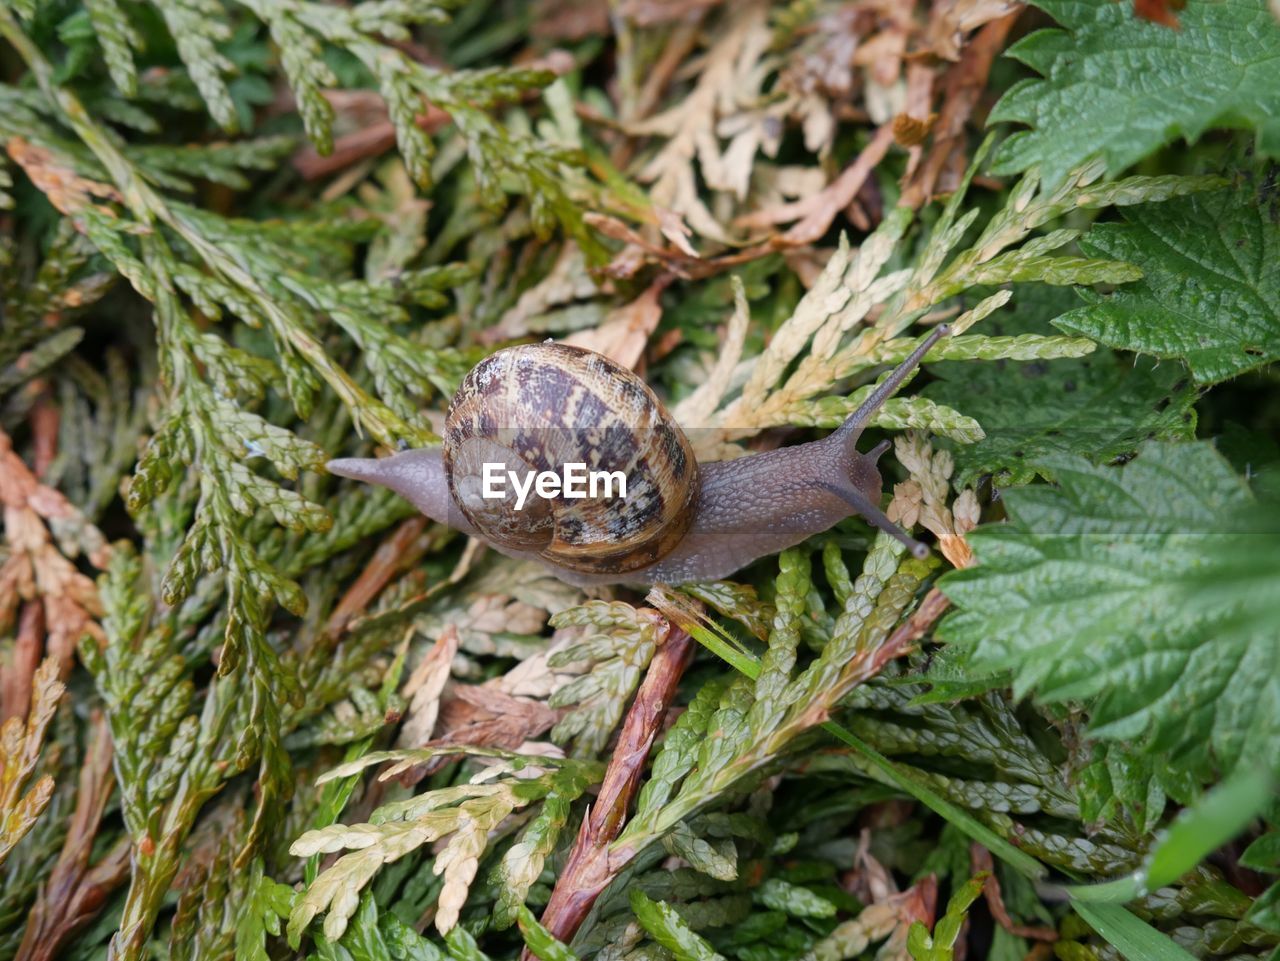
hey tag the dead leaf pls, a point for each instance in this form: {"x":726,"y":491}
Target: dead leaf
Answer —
{"x":814,"y":214}
{"x":625,"y":333}
{"x":21,"y":744}
{"x":570,"y":19}
{"x":980,"y":859}
{"x":398,"y":552}
{"x":911,"y":131}
{"x":963,"y":83}
{"x":952,"y":20}
{"x":37,"y":571}
{"x":904,"y":509}
{"x":650,"y":13}
{"x":75,"y":892}
{"x":917,"y":903}
{"x":483,"y":716}
{"x":567,"y":281}
{"x":69,"y":192}
{"x":675,"y":230}
{"x":730,"y":77}
{"x":423,"y":689}
{"x":1159,"y":11}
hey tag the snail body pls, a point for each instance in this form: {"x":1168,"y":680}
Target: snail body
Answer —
{"x":538,"y":407}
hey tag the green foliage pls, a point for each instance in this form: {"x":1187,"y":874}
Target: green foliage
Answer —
{"x":940,"y":945}
{"x":666,"y":927}
{"x":268,"y":902}
{"x":619,"y":648}
{"x":324,"y":213}
{"x":1120,"y":86}
{"x":541,"y":942}
{"x":465,"y":813}
{"x":1100,"y":406}
{"x":739,"y":729}
{"x":1210,"y":293}
{"x":1133,"y":588}
{"x":62,"y":284}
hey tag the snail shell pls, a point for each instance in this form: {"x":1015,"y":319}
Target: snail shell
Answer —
{"x":538,"y":407}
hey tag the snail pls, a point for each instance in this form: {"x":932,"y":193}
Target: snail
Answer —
{"x":534,"y":409}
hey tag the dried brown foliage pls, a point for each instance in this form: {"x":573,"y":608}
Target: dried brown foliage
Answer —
{"x":59,"y":604}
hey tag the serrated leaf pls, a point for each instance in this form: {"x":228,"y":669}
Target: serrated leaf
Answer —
{"x":1121,"y":86}
{"x":1096,"y":406}
{"x":1210,"y":293}
{"x":1198,"y":831}
{"x":1141,"y":590}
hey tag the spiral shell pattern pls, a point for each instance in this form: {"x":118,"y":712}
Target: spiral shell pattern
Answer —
{"x":540,"y":406}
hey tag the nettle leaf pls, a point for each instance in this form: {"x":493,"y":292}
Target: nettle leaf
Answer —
{"x":1210,"y":292}
{"x":1100,"y":406}
{"x":1120,"y":86}
{"x":1141,"y":590}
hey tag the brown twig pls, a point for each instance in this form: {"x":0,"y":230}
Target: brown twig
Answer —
{"x":36,"y":574}
{"x":589,"y":868}
{"x":20,"y":663}
{"x":933,"y":606}
{"x":370,"y":141}
{"x":964,"y":84}
{"x":980,"y":859}
{"x":392,"y":555}
{"x":45,"y":418}
{"x":75,"y":892}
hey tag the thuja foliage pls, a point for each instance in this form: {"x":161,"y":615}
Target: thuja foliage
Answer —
{"x":250,"y":712}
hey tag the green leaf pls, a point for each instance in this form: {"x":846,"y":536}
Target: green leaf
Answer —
{"x":1200,"y":830}
{"x":1265,"y":912}
{"x":1120,"y":86}
{"x":1264,"y":853}
{"x":542,"y":943}
{"x":1130,"y":935}
{"x":462,"y":946}
{"x":1210,"y":293}
{"x":268,"y":902}
{"x":795,"y":900}
{"x":940,"y":946}
{"x":666,"y":927}
{"x":1146,"y":591}
{"x":1100,"y":407}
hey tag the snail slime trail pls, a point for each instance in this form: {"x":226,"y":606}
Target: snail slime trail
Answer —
{"x":575,"y":481}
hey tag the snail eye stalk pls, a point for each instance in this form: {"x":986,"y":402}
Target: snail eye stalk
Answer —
{"x":868,"y":510}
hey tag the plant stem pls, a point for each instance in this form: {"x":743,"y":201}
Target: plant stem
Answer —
{"x":591,"y":866}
